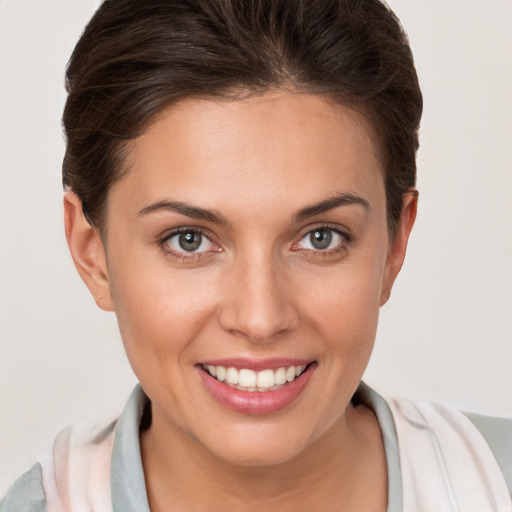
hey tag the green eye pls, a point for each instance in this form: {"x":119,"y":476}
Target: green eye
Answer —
{"x":189,"y":241}
{"x":321,"y":239}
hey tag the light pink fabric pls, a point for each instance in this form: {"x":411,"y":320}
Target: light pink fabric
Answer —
{"x":76,"y":471}
{"x":446,"y":464}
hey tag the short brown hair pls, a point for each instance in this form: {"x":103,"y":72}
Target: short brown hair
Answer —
{"x":136,"y":57}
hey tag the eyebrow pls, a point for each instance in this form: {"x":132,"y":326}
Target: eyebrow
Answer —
{"x":331,"y":203}
{"x":185,"y":209}
{"x":195,"y":212}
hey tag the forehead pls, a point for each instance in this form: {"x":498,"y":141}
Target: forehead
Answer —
{"x":256,"y":150}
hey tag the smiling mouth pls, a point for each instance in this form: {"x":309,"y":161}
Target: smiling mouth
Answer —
{"x":245,"y":379}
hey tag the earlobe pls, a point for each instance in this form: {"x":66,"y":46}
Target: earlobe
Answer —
{"x":398,"y":245}
{"x":87,"y":251}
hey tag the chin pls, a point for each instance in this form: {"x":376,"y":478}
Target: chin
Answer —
{"x":256,"y":456}
{"x":258,"y":446}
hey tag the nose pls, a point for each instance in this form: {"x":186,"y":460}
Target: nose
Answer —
{"x":258,"y":301}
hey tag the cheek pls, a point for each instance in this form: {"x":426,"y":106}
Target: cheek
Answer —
{"x":344,"y":307}
{"x":159,"y":313}
{"x":350,"y":320}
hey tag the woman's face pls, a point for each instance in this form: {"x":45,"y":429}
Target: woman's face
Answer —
{"x":251,"y":235}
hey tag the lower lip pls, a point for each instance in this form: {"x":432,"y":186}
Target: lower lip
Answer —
{"x":256,"y":402}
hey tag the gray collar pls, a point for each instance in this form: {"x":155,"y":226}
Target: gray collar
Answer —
{"x":126,"y":473}
{"x":367,"y":396}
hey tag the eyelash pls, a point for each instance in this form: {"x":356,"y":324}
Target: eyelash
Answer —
{"x":322,"y":253}
{"x":191,"y":256}
{"x":187,"y":256}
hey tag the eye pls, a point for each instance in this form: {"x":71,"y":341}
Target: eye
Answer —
{"x":322,"y":239}
{"x":189,"y":241}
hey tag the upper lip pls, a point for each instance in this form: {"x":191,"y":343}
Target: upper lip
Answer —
{"x":257,"y":364}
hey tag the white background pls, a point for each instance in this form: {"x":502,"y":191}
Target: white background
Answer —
{"x":446,"y":335}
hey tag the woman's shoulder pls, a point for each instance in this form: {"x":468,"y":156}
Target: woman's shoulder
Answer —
{"x":27,"y":493}
{"x":76,"y":468}
{"x":467,"y":456}
{"x":497,"y":432}
{"x":77,"y":462}
{"x":476,"y":429}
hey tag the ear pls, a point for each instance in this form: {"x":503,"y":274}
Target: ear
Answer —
{"x":87,"y":251}
{"x":398,"y":244}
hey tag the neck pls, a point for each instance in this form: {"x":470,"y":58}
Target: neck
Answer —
{"x":345,"y":465}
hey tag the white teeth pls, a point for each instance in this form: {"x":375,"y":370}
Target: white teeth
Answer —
{"x":249,"y":380}
{"x":280,"y":376}
{"x":232,"y":375}
{"x":265,"y":379}
{"x":221,"y":373}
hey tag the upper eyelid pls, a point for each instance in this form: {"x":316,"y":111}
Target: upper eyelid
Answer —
{"x":163,"y":239}
{"x":340,"y":230}
{"x":169,"y":233}
{"x":347,"y":239}
{"x":184,"y":256}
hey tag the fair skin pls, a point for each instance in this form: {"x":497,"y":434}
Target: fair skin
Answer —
{"x":269,"y":279}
